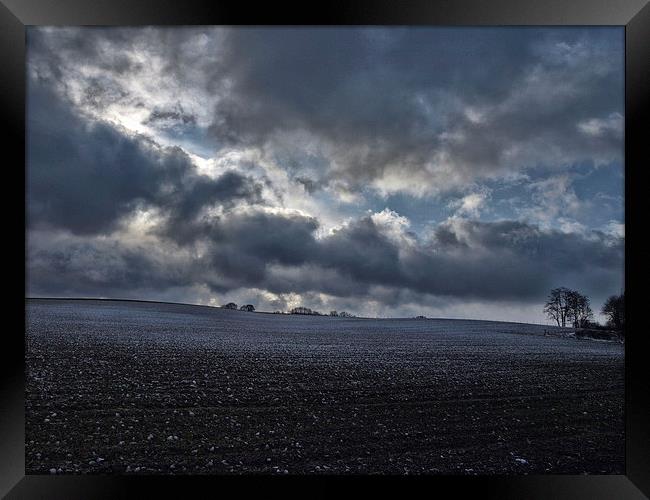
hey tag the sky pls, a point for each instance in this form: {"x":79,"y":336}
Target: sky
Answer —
{"x":385,"y":171}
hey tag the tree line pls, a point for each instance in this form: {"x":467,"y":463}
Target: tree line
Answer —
{"x":571,"y":308}
{"x":295,"y":310}
{"x":246,"y":307}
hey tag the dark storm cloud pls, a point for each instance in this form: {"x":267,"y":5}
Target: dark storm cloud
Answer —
{"x":100,"y":267}
{"x":513,"y":260}
{"x":488,"y":100}
{"x":242,"y":246}
{"x":501,"y":260}
{"x":463,"y":259}
{"x":363,"y":253}
{"x":86,"y":175}
{"x":350,"y":84}
{"x":281,"y":254}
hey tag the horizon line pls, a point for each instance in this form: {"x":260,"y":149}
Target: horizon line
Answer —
{"x":281,"y":312}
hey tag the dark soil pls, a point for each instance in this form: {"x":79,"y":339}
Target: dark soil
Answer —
{"x":118,"y":387}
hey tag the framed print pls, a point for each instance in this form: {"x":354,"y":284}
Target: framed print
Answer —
{"x":378,"y":242}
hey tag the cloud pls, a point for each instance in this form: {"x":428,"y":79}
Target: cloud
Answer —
{"x":601,"y":127}
{"x":553,"y":199}
{"x":61,"y":263}
{"x":471,"y":204}
{"x":615,"y":228}
{"x":420,"y":110}
{"x":363,"y":260}
{"x":272,"y":165}
{"x":408,"y":116}
{"x":87,"y":175}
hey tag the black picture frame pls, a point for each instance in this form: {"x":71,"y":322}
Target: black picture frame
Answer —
{"x":633,"y":14}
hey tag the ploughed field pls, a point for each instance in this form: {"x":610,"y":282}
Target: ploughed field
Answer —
{"x":128,"y":387}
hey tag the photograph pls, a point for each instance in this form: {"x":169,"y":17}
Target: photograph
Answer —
{"x":325,"y":250}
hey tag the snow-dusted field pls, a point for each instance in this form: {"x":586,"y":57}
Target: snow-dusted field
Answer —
{"x":116,"y":387}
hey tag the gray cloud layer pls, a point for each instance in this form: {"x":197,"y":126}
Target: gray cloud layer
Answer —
{"x":442,"y":106}
{"x":85,"y":177}
{"x":454,"y":104}
{"x":464,"y":259}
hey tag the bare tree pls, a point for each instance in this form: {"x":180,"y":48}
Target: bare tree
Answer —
{"x":568,"y":306}
{"x":556,"y":307}
{"x":614,"y":309}
{"x":579,"y":309}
